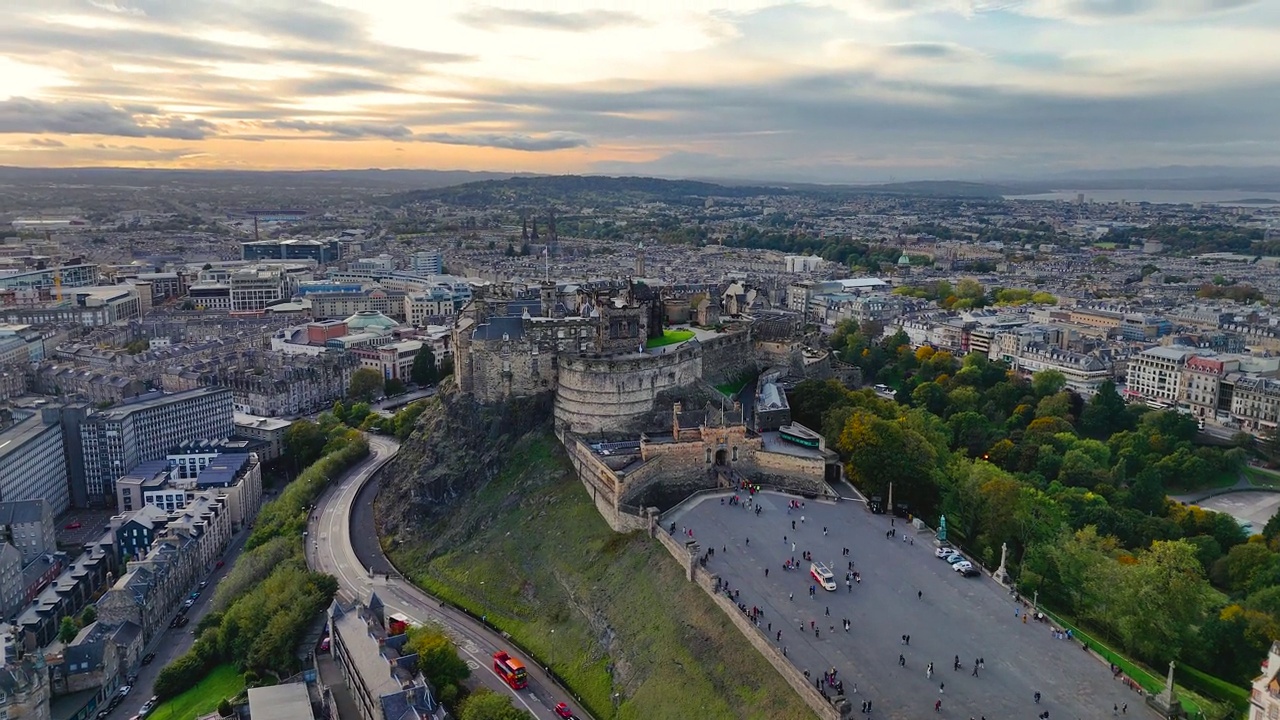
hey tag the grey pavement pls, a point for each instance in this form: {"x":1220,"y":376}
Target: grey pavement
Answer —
{"x":970,"y":617}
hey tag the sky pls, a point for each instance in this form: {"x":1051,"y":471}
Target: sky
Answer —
{"x":838,"y":91}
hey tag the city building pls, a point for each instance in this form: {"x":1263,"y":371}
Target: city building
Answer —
{"x":28,"y":526}
{"x":803,"y":263}
{"x":65,"y":276}
{"x":67,"y":594}
{"x":33,"y":463}
{"x":384,"y":681}
{"x":290,"y":701}
{"x":371,"y":299}
{"x":1156,"y":374}
{"x":322,"y":252}
{"x":270,"y":430}
{"x":254,"y":289}
{"x":93,"y":306}
{"x":427,"y":262}
{"x":135,"y":530}
{"x":24,"y":680}
{"x":381,"y":263}
{"x":115,"y":441}
{"x":394,"y":361}
{"x":420,"y":307}
{"x":1264,"y":697}
{"x":89,"y":670}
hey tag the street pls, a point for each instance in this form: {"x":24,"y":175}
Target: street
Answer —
{"x":173,"y":642}
{"x":331,"y":550}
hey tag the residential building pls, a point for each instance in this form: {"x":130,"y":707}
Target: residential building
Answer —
{"x":25,"y":683}
{"x":65,"y":276}
{"x":115,"y":441}
{"x":148,"y":484}
{"x":290,"y":701}
{"x":270,"y":430}
{"x":28,"y":526}
{"x":91,"y":306}
{"x":1156,"y":374}
{"x":1255,"y":402}
{"x":420,"y":307}
{"x":384,"y":681}
{"x":374,"y":298}
{"x":99,"y":660}
{"x":12,"y":597}
{"x":32,"y":460}
{"x":1264,"y":698}
{"x":154,"y":586}
{"x":1202,"y":385}
{"x":68,"y":593}
{"x":803,"y":263}
{"x":134,"y":531}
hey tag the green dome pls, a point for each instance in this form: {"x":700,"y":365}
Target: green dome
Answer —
{"x":904,"y":260}
{"x":369,"y":320}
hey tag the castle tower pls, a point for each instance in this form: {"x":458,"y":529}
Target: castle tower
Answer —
{"x":548,"y":294}
{"x":640,"y":260}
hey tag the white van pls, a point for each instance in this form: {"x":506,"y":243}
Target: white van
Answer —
{"x":823,"y":576}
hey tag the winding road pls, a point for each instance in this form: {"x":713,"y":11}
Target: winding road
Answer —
{"x":344,"y":543}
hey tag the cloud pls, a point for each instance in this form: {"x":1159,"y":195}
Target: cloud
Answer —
{"x":344,"y":130}
{"x":510,"y":141}
{"x":930,"y":50}
{"x":46,"y":143}
{"x":24,"y":115}
{"x":493,"y":18}
{"x":1094,"y":11}
{"x":340,"y":85}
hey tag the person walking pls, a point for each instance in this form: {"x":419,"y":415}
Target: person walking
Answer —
{"x":902,"y":661}
{"x":919,"y":594}
{"x":937,"y":706}
{"x":928,"y":672}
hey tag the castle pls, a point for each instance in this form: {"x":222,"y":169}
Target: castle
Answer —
{"x":587,"y":345}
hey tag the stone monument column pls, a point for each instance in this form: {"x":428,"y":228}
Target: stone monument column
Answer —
{"x":1166,"y":702}
{"x":1002,"y":575}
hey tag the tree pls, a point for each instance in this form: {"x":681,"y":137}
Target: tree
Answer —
{"x":304,"y":442}
{"x":68,"y":630}
{"x":424,"y":367}
{"x":484,"y":704}
{"x":366,"y":384}
{"x":224,"y":708}
{"x":438,"y":657}
{"x":88,"y":616}
{"x":1048,"y":382}
{"x":1160,"y":600}
{"x":395,"y":386}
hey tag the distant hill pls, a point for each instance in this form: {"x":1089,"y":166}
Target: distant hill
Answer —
{"x":143,"y":177}
{"x":582,"y":190}
{"x":605,"y":190}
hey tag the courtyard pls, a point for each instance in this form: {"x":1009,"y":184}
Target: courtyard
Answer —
{"x":904,"y":590}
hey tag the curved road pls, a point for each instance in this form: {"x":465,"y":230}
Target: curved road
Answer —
{"x":333,"y":549}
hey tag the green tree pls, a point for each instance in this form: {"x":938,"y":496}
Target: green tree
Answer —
{"x":930,"y":396}
{"x":68,"y":630}
{"x":424,"y":370}
{"x":1161,"y":600}
{"x":366,"y":384}
{"x":395,"y":386}
{"x":484,"y":704}
{"x":1104,"y":415}
{"x":88,"y":616}
{"x":304,"y":441}
{"x":224,"y":708}
{"x":1048,"y":382}
{"x":438,"y":657}
{"x":880,"y":451}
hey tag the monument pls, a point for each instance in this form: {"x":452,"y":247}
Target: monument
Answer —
{"x":1166,"y":702}
{"x":1002,"y":575}
{"x":942,"y":529}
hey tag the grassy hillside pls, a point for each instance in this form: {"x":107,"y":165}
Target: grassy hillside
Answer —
{"x":529,"y":550}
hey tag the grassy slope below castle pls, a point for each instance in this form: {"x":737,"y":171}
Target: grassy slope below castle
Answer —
{"x":529,"y":550}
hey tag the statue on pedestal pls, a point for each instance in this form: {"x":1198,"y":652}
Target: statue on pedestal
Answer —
{"x":1001,"y":574}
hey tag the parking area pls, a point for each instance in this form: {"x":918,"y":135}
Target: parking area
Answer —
{"x":78,"y":527}
{"x":1252,"y":507}
{"x":904,"y":590}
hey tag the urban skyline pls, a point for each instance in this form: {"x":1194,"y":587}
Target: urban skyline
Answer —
{"x":849,"y":90}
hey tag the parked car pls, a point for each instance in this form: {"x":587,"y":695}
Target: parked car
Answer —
{"x":124,"y":690}
{"x":955,"y":558}
{"x":182,"y":621}
{"x":220,"y":563}
{"x":148,"y":706}
{"x":186,"y":604}
{"x":74,"y":525}
{"x":970,"y":571}
{"x":194,"y":596}
{"x":324,"y":644}
{"x":944,"y":551}
{"x":148,"y":658}
{"x":102,"y":714}
{"x":962,"y":566}
{"x":204,"y":584}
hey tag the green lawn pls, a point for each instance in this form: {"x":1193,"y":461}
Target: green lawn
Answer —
{"x":1222,"y":480}
{"x":670,"y":337}
{"x":224,"y":682}
{"x":610,"y":613}
{"x":732,"y":388}
{"x":1262,"y":478}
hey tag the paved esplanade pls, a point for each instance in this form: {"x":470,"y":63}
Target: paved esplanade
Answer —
{"x":970,"y":617}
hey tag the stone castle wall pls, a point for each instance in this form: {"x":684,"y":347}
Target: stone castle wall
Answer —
{"x":726,"y":358}
{"x":509,"y":368}
{"x":606,"y":394}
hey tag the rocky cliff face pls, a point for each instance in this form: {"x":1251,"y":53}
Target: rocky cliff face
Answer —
{"x":457,"y":445}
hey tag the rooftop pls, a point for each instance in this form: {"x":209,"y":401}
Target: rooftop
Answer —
{"x":280,"y":702}
{"x":151,"y":401}
{"x":21,"y":432}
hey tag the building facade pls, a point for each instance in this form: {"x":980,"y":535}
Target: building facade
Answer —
{"x":117,"y":440}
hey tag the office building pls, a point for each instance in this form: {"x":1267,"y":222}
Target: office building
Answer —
{"x":383,"y":678}
{"x":33,"y":462}
{"x":427,"y":262}
{"x":117,"y":440}
{"x":270,"y":430}
{"x":66,"y":276}
{"x":1156,"y":374}
{"x":322,"y":252}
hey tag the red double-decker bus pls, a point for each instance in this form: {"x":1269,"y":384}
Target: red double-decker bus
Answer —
{"x":510,"y":670}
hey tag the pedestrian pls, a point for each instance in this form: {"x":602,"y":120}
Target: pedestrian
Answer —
{"x":793,"y":547}
{"x":919,"y":594}
{"x":908,"y":639}
{"x":942,"y":687}
{"x":779,"y":636}
{"x":824,"y":530}
{"x":784,"y":539}
{"x":828,"y":611}
{"x":1115,"y":709}
{"x":1037,"y":697}
{"x":975,"y":670}
{"x":864,"y":706}
{"x":791,"y":596}
{"x":802,"y":519}
{"x":793,"y":524}
{"x":766,"y":572}
{"x":982,"y":663}
{"x":1124,"y":708}
{"x":937,"y":706}
{"x":928,"y":672}
{"x":902,"y":661}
